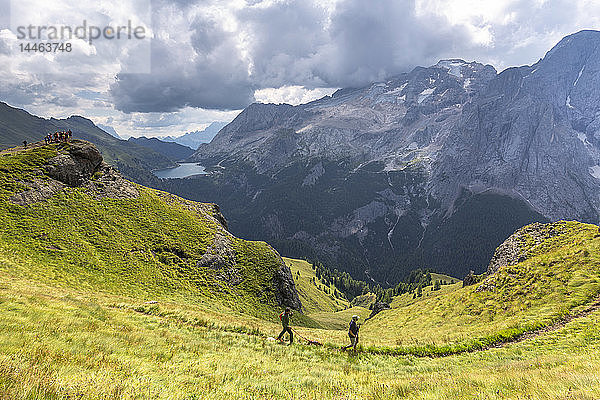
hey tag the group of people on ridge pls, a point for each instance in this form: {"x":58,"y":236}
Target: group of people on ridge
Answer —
{"x":353,"y":328}
{"x":58,"y":137}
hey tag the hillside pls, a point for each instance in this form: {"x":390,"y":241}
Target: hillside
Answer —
{"x":173,"y":151}
{"x":431,"y":168}
{"x":544,"y":273}
{"x":64,"y":342}
{"x":132,"y":160}
{"x":318,"y":298}
{"x":71,"y":220}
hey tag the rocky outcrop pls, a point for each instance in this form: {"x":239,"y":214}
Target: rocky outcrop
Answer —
{"x":470,"y":279}
{"x":220,"y":258}
{"x":78,"y":164}
{"x":377,"y":308}
{"x":75,"y":164}
{"x":519,"y":245}
{"x":39,"y":190}
{"x":285,"y":288}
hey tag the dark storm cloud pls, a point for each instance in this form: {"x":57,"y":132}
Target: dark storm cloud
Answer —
{"x":217,"y":59}
{"x":205,"y":72}
{"x":285,"y":43}
{"x":371,"y":41}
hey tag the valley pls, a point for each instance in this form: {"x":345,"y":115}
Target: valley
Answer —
{"x":112,"y":290}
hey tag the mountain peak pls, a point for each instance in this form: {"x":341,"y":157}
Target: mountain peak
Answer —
{"x":579,"y":44}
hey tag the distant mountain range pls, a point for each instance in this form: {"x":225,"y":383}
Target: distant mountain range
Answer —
{"x":132,"y":159}
{"x":431,"y":168}
{"x":196,"y":138}
{"x":109,"y":129}
{"x":173,"y":151}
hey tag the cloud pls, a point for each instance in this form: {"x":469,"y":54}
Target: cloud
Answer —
{"x":293,"y":95}
{"x":234,"y":51}
{"x":222,"y":55}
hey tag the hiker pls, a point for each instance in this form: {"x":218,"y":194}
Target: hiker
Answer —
{"x":353,"y":333}
{"x":69,"y":135}
{"x":285,"y":322}
{"x":56,"y":137}
{"x":25,"y":143}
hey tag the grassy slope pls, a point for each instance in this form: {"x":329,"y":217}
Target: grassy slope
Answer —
{"x":328,"y":311}
{"x":441,"y":277}
{"x":313,"y":298}
{"x":57,"y":343}
{"x":73,"y":323}
{"x":561,"y":275}
{"x":144,"y":247}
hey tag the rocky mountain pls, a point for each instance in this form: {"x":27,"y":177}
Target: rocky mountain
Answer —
{"x":196,"y":138}
{"x":431,"y":168}
{"x":173,"y":151}
{"x":133,"y":160}
{"x":110,"y":130}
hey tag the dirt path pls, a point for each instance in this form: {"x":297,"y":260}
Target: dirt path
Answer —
{"x":594,"y":306}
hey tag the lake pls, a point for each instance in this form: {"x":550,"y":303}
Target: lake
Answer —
{"x":183,"y":170}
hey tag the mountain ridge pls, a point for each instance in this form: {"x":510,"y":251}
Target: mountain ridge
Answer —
{"x":417,"y":151}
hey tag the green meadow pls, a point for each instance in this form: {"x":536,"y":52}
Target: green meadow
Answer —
{"x":103,"y":299}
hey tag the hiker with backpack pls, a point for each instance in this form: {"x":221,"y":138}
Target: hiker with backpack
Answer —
{"x":285,"y":322}
{"x":352,"y":333}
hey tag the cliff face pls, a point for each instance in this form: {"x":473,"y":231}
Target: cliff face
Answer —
{"x":432,"y":168}
{"x":184,"y":244}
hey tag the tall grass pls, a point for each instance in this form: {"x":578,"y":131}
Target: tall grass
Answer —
{"x":58,"y":344}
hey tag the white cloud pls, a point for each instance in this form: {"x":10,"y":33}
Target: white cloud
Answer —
{"x":293,"y":95}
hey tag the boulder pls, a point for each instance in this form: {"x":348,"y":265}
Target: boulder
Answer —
{"x":470,"y":279}
{"x":76,"y":165}
{"x":377,"y":308}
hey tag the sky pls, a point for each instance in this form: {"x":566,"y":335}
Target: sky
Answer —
{"x":193,"y":62}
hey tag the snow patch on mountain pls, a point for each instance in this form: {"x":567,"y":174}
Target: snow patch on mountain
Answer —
{"x":425,"y":94}
{"x":568,"y":102}
{"x":583,"y":138}
{"x":578,"y":76}
{"x":454,"y":67}
{"x":304,"y":129}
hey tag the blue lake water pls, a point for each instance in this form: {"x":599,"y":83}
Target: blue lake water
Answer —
{"x":183,"y":170}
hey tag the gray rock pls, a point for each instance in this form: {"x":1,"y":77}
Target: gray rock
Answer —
{"x":285,"y":288}
{"x":517,"y":247}
{"x":76,"y":164}
{"x":471,"y":279}
{"x":377,"y":308}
